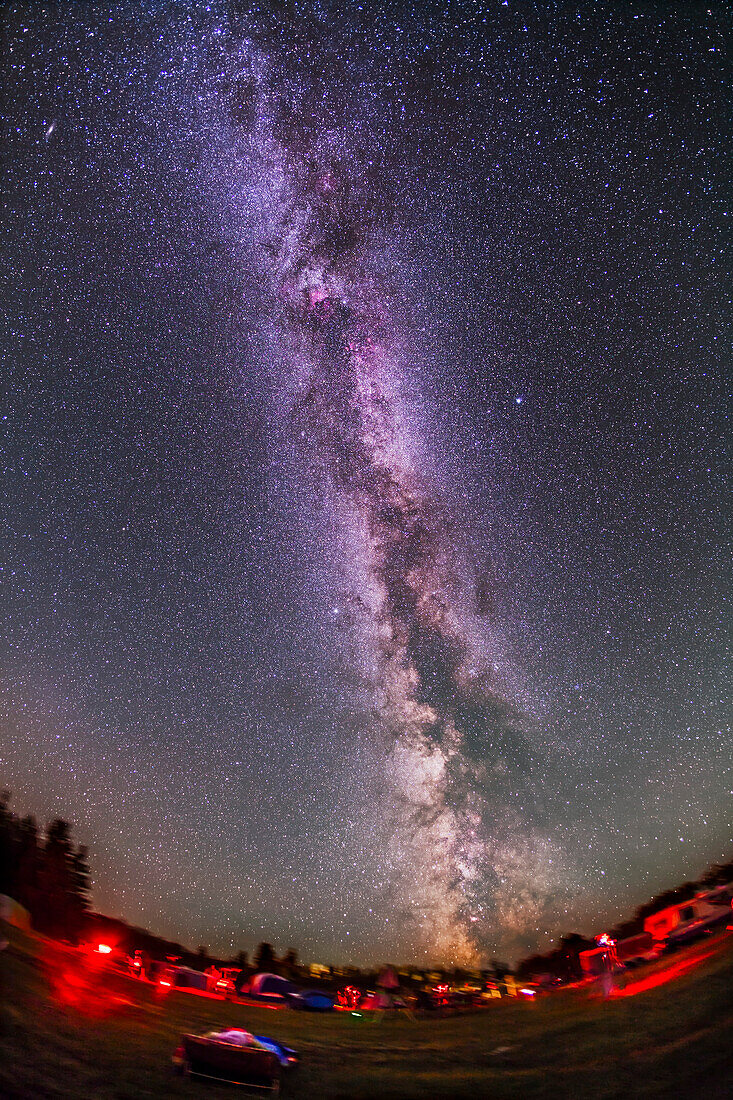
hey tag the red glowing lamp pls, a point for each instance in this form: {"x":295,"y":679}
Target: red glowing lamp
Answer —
{"x":349,"y":997}
{"x":104,"y":949}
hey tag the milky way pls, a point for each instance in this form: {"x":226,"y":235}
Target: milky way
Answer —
{"x":363,"y":562}
{"x":465,"y":858}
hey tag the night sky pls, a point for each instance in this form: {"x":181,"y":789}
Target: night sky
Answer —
{"x":364,"y":526}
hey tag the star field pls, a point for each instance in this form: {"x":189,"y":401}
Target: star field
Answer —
{"x":364,"y":532}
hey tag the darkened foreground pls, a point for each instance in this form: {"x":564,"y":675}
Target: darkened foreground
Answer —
{"x":111,"y":1036}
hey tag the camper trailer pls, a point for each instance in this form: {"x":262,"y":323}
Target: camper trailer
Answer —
{"x":689,"y":919}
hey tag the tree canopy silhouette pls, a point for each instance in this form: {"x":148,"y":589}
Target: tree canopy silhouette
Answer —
{"x":46,"y":873}
{"x":265,"y":957}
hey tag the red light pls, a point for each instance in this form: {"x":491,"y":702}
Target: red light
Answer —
{"x":663,"y":976}
{"x":104,"y":949}
{"x":349,"y":997}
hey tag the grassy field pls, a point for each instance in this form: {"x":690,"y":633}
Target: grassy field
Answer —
{"x":116,"y":1037}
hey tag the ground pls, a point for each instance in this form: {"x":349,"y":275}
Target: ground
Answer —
{"x":669,"y":1035}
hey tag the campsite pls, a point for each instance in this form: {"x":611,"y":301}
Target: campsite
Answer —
{"x":665,"y":1033}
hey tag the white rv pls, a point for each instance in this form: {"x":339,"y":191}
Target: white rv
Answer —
{"x":688,"y":919}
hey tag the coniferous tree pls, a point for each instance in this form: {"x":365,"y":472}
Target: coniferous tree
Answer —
{"x":28,"y":887}
{"x":56,"y":878}
{"x":64,"y":883}
{"x":264,"y":958}
{"x":7,"y":826}
{"x":289,"y":964}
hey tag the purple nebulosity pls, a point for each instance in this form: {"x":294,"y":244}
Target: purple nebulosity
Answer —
{"x":312,"y":309}
{"x":456,"y":755}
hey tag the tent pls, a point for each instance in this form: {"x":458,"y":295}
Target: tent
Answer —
{"x":388,"y":979}
{"x":14,"y":913}
{"x":270,"y":985}
{"x":312,"y":1000}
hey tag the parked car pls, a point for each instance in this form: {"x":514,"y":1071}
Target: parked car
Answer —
{"x":235,"y":1056}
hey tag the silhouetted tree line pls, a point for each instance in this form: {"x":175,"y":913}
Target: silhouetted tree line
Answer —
{"x":562,"y":962}
{"x":44,"y":871}
{"x":48,"y":874}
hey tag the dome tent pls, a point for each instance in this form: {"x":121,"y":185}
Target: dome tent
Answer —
{"x":270,"y":985}
{"x":12,"y":912}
